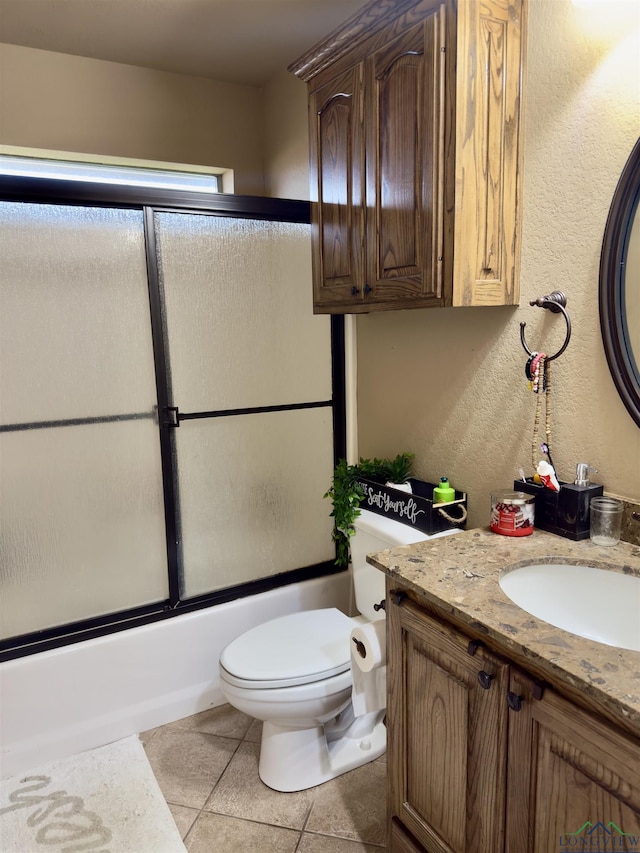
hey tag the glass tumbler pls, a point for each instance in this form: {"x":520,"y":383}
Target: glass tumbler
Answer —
{"x":605,"y":520}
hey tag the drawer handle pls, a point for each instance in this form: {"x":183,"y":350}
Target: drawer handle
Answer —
{"x":485,"y":679}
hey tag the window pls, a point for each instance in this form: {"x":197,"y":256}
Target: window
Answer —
{"x":62,"y":166}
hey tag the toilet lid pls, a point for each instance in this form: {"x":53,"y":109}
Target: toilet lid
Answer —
{"x":296,"y":649}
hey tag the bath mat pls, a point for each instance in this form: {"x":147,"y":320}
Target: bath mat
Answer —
{"x":106,"y":800}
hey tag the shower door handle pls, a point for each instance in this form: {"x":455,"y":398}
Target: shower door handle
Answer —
{"x":174,"y":417}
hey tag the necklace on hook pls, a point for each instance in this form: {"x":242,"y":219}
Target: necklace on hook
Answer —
{"x":538,"y":370}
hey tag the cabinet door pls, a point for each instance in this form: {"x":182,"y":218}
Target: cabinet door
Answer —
{"x":573,"y":780}
{"x":405,"y":119}
{"x":446,"y":723}
{"x":400,"y":841}
{"x":488,"y":152}
{"x":337,"y":184}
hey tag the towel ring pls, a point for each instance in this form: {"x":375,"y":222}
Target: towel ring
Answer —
{"x":554,"y":302}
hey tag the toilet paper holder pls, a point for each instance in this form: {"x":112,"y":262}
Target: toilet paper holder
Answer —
{"x":360,"y":647}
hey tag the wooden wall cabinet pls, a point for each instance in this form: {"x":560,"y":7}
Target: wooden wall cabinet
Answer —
{"x":415,"y":155}
{"x":484,"y":759}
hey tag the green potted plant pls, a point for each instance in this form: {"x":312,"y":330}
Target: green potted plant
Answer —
{"x":347,"y":495}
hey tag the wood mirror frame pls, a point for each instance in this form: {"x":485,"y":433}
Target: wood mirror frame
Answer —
{"x":616,"y":285}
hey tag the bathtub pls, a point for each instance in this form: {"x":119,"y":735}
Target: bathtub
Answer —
{"x":85,"y":695}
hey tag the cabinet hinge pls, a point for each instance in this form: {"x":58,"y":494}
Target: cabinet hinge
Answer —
{"x":538,"y":689}
{"x":473,"y":646}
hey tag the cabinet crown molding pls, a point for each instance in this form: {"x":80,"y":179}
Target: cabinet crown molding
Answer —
{"x":364,"y":23}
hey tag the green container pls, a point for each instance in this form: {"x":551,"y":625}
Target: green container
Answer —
{"x":443,"y":493}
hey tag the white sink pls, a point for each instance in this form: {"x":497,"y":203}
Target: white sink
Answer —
{"x":594,"y":603}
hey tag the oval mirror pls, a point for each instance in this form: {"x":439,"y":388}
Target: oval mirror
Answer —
{"x":620,"y":286}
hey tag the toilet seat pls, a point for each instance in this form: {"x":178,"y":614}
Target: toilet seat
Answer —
{"x":300,"y":648}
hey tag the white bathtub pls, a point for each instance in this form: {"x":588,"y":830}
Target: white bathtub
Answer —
{"x":81,"y":696}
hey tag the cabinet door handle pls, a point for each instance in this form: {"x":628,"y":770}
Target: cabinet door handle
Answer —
{"x":514,"y":701}
{"x":397,"y":596}
{"x":354,"y":291}
{"x":367,"y":290}
{"x":381,"y":606}
{"x":485,"y":679}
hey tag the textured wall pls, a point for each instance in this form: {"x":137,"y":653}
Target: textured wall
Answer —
{"x":70,"y":103}
{"x":286,"y":137}
{"x":449,"y":384}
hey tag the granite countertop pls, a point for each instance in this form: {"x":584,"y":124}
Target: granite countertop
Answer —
{"x":459,"y":575}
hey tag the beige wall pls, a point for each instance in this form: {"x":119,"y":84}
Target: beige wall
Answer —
{"x":69,"y":103}
{"x":286,"y":138}
{"x":449,"y":384}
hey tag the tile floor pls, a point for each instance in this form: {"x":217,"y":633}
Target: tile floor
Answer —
{"x":207,"y":768}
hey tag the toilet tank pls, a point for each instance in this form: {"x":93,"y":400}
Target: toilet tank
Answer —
{"x":377,"y":533}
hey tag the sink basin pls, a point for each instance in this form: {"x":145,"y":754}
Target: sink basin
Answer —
{"x":594,"y":603}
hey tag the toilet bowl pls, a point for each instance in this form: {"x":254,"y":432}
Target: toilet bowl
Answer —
{"x":294,"y":674}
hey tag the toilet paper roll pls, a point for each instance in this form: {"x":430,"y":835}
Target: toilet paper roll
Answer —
{"x":369,"y":645}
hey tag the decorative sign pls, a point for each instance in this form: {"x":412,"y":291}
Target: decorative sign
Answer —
{"x":414,"y":508}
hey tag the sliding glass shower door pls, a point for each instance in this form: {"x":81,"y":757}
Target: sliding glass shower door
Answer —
{"x":81,"y":498}
{"x":250,"y":374}
{"x":170,"y":414}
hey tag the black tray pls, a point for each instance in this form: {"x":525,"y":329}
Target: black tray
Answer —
{"x":416,"y":509}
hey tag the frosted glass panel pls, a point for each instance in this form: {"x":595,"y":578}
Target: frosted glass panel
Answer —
{"x":82,"y":530}
{"x":251,"y":496}
{"x":241,"y":328}
{"x":75,"y":337}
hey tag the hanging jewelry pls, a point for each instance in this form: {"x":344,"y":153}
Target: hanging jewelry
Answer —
{"x":538,"y":369}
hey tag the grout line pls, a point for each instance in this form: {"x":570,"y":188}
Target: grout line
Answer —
{"x":219,"y":779}
{"x":306,"y":820}
{"x":195,"y":820}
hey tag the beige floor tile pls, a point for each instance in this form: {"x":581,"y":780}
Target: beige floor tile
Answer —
{"x":255,"y":732}
{"x":224,"y":721}
{"x":330,"y":844}
{"x":183,"y":817}
{"x":145,"y":737}
{"x":213,"y":832}
{"x":188,"y":764}
{"x":352,"y":806}
{"x":240,"y":793}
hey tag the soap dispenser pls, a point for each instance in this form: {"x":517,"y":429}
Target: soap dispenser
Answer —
{"x":572,"y":519}
{"x":443,"y":493}
{"x":582,"y":474}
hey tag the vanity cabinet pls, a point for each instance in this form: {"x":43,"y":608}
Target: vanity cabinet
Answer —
{"x":483,"y":758}
{"x":415,"y":150}
{"x":447,"y":735}
{"x":567,"y":767}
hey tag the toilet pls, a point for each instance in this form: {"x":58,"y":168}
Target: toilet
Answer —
{"x":294,"y":674}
